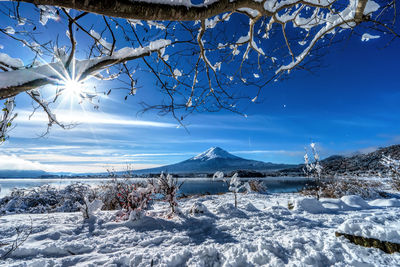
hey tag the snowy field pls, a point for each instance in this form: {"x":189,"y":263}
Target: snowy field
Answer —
{"x":260,"y":232}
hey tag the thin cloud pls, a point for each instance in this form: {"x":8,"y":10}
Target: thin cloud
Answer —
{"x":283,"y":152}
{"x":159,"y":154}
{"x":60,"y":147}
{"x":53,"y":158}
{"x":13,"y":162}
{"x":89,"y":117}
{"x":97,"y":167}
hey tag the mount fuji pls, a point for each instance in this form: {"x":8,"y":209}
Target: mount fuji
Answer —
{"x":216,"y":159}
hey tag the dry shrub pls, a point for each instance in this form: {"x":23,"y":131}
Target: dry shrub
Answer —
{"x":168,"y":187}
{"x":115,"y":192}
{"x":393,"y":167}
{"x":47,"y":198}
{"x":257,"y":186}
{"x":339,"y":187}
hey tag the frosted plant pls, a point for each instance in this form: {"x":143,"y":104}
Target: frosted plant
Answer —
{"x":47,"y":198}
{"x":128,"y":171}
{"x":234,"y":183}
{"x":108,"y":193}
{"x":235,"y":186}
{"x":338,"y":187}
{"x":394,"y":169}
{"x":220,"y":176}
{"x":313,"y":167}
{"x":134,"y":199}
{"x":168,"y":187}
{"x":89,"y":208}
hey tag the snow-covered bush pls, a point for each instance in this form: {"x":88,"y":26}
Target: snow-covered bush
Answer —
{"x":134,"y":199}
{"x":235,"y":186}
{"x":198,"y":208}
{"x":107,"y":192}
{"x":234,"y":183}
{"x":46,"y":198}
{"x":313,"y":167}
{"x":394,"y":170}
{"x":89,"y":208}
{"x":310,"y":205}
{"x":115,"y":192}
{"x":168,"y":187}
{"x":345,"y":186}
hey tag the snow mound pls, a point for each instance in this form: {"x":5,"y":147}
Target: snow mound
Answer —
{"x":355,"y":202}
{"x":384,"y":227}
{"x":207,"y":256}
{"x":385,"y":203}
{"x":279,"y":210}
{"x":250,"y":207}
{"x":229,"y":210}
{"x":310,"y":205}
{"x":335,"y":204}
{"x":198,"y":208}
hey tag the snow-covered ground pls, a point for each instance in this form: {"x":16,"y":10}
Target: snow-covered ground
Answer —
{"x":261,"y":231}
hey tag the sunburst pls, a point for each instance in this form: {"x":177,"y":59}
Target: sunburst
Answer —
{"x":73,"y":87}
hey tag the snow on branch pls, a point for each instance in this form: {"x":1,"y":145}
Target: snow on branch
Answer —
{"x":16,"y":81}
{"x":349,"y":17}
{"x":6,"y":118}
{"x":8,"y":63}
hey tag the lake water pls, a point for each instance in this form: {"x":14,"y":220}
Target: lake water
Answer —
{"x":190,"y":186}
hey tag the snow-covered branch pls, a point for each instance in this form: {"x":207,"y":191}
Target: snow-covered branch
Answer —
{"x":16,"y":81}
{"x":6,"y":118}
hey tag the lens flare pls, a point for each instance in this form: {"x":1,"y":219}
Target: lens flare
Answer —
{"x":73,"y":87}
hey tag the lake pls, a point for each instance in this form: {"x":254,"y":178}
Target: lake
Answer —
{"x":190,"y":186}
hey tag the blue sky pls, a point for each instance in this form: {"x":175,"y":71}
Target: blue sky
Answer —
{"x":348,"y":104}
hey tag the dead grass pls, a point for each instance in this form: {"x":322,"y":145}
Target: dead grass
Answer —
{"x":339,"y":187}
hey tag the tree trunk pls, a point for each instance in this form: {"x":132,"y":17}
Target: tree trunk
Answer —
{"x":152,"y":11}
{"x":141,"y":10}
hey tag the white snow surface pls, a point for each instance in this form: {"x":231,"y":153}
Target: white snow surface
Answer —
{"x":385,"y":227}
{"x":209,"y":232}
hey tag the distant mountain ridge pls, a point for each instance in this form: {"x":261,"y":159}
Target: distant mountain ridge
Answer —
{"x":21,"y":173}
{"x":367,"y":164}
{"x":215,"y":159}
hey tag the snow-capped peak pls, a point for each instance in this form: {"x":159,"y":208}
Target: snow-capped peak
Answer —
{"x":213,"y":153}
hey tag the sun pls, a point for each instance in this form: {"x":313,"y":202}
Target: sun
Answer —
{"x":73,"y":87}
